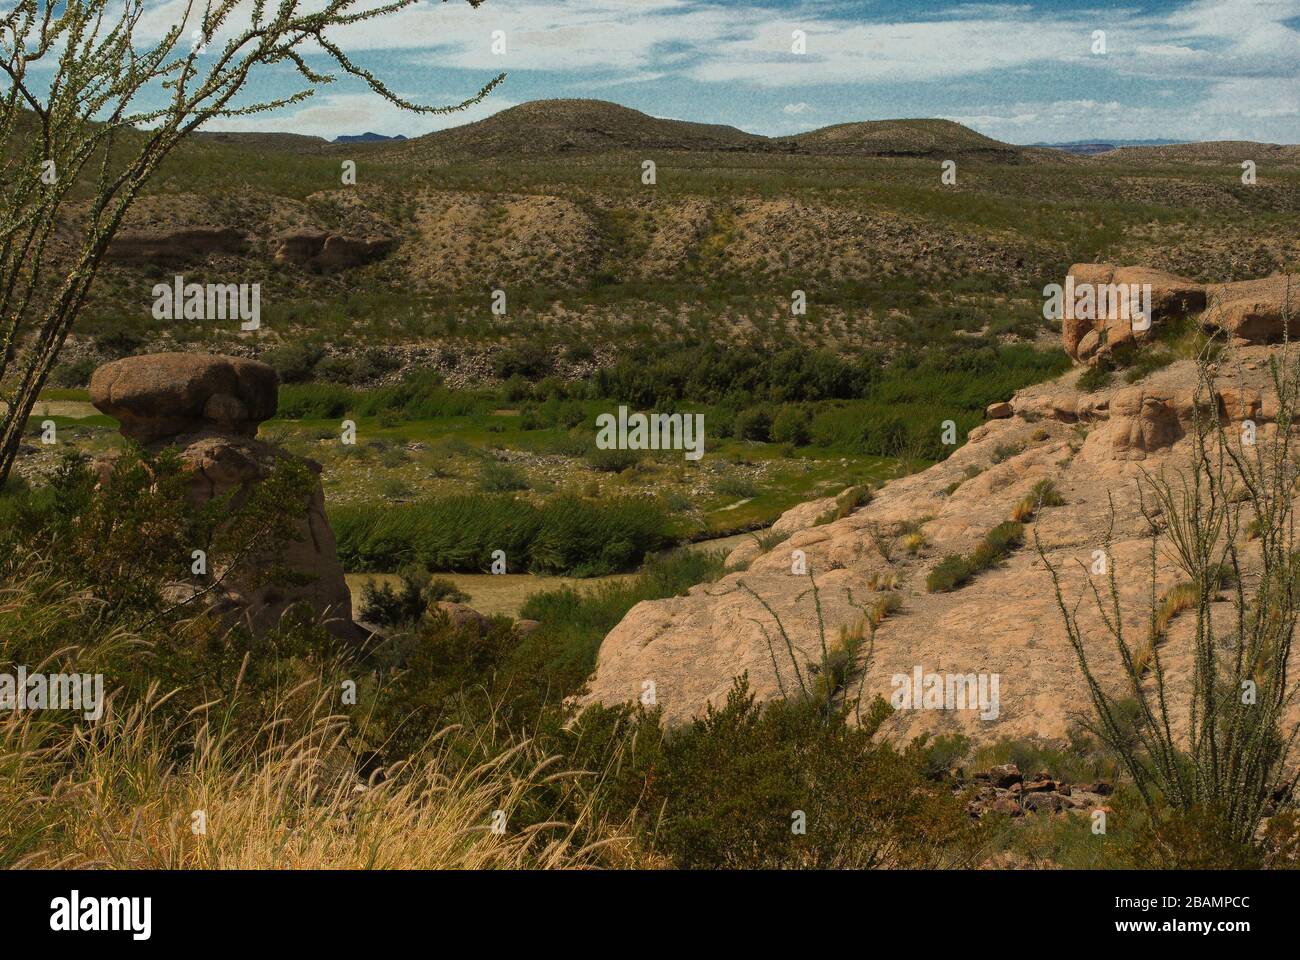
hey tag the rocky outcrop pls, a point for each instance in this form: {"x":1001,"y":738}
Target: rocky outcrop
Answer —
{"x":330,"y":252}
{"x":1093,"y":446}
{"x":1247,"y":311}
{"x":173,"y":246}
{"x":1256,"y":311}
{"x":168,"y":394}
{"x":209,"y":408}
{"x":1108,"y":316}
{"x":1004,"y":790}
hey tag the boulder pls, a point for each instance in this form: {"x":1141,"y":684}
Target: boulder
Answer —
{"x":1043,"y":802}
{"x":166,"y":394}
{"x":1073,"y":329}
{"x":208,"y":408}
{"x":1112,"y":323}
{"x":526,"y":628}
{"x":329,"y":252}
{"x":998,"y":411}
{"x":1004,"y":775}
{"x":1256,"y":311}
{"x":461,"y":616}
{"x":1142,"y":421}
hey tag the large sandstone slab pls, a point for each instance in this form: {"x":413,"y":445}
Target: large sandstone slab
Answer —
{"x":1096,"y":448}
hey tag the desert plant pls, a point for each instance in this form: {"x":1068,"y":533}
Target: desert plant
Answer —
{"x":1230,"y":767}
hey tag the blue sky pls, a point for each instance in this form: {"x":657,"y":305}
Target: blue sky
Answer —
{"x":1022,"y":72}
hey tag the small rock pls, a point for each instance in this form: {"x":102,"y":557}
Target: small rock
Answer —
{"x":1007,"y":807}
{"x":1004,"y":775}
{"x":526,"y":628}
{"x":1040,"y":802}
{"x":461,"y":616}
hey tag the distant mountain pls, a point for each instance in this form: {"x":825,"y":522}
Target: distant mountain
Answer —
{"x":1210,"y":151}
{"x":550,"y":127}
{"x":367,"y":138}
{"x":1088,"y":148}
{"x":559,"y":127}
{"x":556,"y":128}
{"x":903,"y":138}
{"x":292,"y":142}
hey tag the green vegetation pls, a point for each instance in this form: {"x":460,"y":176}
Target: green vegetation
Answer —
{"x":954,"y":570}
{"x":566,"y":535}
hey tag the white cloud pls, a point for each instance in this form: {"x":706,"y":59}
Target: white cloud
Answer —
{"x":334,"y":115}
{"x":796,"y":108}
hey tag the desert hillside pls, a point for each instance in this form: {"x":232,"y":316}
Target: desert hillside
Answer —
{"x":545,"y":202}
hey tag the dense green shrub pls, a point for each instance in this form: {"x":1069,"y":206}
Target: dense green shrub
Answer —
{"x":728,"y":790}
{"x":314,"y":401}
{"x":294,"y":362}
{"x":527,"y":359}
{"x":590,"y":538}
{"x":460,"y":533}
{"x":754,"y":423}
{"x":387,"y":606}
{"x":868,"y":403}
{"x":792,"y":424}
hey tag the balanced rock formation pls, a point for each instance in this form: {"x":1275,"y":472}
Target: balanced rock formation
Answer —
{"x":209,"y":408}
{"x":1097,"y":450}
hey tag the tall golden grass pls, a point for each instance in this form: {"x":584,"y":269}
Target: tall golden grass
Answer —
{"x":111,"y":793}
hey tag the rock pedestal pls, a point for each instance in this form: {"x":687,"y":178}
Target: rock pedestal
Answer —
{"x":209,"y":408}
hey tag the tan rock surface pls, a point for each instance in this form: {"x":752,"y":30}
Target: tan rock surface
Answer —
{"x":1005,"y":621}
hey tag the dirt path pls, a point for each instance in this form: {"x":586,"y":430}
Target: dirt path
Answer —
{"x":506,"y":593}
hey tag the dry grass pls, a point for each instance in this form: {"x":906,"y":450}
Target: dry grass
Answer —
{"x":1174,"y":601}
{"x":108,"y":796}
{"x":1044,"y":494}
{"x":139,"y":788}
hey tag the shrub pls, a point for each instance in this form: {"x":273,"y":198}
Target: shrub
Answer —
{"x":387,"y":606}
{"x":498,"y":477}
{"x":527,"y":359}
{"x":953,"y":571}
{"x":720,"y":792}
{"x":612,"y":460}
{"x":1094,"y":378}
{"x":793,"y":425}
{"x":584,"y":538}
{"x":754,"y":424}
{"x":736,"y":487}
{"x":565,"y":536}
{"x":294,"y":362}
{"x":314,"y":401}
{"x":949,"y":574}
